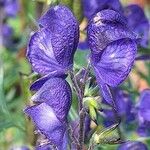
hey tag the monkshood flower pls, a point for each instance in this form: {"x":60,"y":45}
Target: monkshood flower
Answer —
{"x":10,"y":7}
{"x":144,"y":113}
{"x":50,"y":52}
{"x":134,"y":145}
{"x":124,"y":108}
{"x":91,"y":7}
{"x":138,"y":22}
{"x":113,"y":49}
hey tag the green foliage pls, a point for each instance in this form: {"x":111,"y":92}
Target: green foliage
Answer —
{"x":81,"y":59}
{"x":92,"y":104}
{"x":75,"y":6}
{"x":105,"y":135}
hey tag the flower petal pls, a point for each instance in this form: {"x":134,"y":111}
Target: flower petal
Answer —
{"x":65,"y":32}
{"x":36,"y":85}
{"x":48,"y":124}
{"x":143,"y":129}
{"x":91,"y":7}
{"x":115,"y":63}
{"x":40,"y":53}
{"x":138,"y":22}
{"x":124,"y":108}
{"x":106,"y":27}
{"x":105,"y":91}
{"x":56,"y":93}
{"x":52,"y":48}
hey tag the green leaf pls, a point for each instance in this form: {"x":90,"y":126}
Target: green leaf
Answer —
{"x":106,"y":136}
{"x":3,"y":106}
{"x":5,"y":124}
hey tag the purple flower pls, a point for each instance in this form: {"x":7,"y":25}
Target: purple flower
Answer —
{"x":48,"y":124}
{"x":56,"y":93}
{"x":144,"y":129}
{"x":91,"y":7}
{"x":144,"y":113}
{"x":138,"y":22}
{"x":124,"y":108}
{"x":11,"y":7}
{"x":135,"y":145}
{"x":50,"y":51}
{"x":144,"y":108}
{"x":113,"y":49}
{"x":7,"y":33}
{"x":8,"y":8}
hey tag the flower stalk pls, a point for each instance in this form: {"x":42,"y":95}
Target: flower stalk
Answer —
{"x":82,"y":112}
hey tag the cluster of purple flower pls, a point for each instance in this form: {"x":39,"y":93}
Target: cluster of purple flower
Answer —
{"x":129,"y":113}
{"x":50,"y":52}
{"x":8,"y":9}
{"x":113,"y":47}
{"x":134,"y":15}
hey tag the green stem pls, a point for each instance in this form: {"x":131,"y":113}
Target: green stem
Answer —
{"x":82,"y":114}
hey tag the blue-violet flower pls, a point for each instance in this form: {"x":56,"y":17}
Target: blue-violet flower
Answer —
{"x":113,"y":49}
{"x":50,"y":52}
{"x":138,"y":22}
